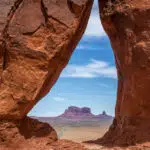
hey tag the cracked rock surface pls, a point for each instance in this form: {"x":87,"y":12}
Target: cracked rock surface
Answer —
{"x":37,"y":38}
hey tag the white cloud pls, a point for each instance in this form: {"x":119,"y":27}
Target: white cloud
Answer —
{"x":92,"y":70}
{"x":88,"y":48}
{"x":59,"y":99}
{"x":94,"y":27}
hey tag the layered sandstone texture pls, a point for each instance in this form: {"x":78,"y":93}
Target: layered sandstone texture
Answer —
{"x":127,"y":23}
{"x":37,"y":38}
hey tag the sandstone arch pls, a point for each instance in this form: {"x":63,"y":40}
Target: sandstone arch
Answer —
{"x":32,"y":56}
{"x":128,"y":27}
{"x":37,"y":38}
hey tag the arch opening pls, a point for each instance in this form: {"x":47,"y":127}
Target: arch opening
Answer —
{"x":89,"y":80}
{"x":32,"y":55}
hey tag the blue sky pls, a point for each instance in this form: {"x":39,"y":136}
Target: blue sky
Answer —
{"x":90,"y":77}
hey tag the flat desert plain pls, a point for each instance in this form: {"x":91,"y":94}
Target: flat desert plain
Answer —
{"x":86,"y":130}
{"x":82,"y":133}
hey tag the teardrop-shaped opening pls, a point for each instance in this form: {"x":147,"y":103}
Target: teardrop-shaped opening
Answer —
{"x":81,"y":104}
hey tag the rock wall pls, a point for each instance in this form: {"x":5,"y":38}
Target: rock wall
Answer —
{"x":25,"y":134}
{"x":37,"y":38}
{"x":127,"y":23}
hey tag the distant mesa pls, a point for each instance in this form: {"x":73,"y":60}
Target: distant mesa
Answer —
{"x":75,"y":116}
{"x":78,"y":113}
{"x":83,"y":112}
{"x":74,"y":111}
{"x":104,"y":113}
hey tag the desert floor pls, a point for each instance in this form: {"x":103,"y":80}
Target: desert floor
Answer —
{"x":81,"y":134}
{"x":85,"y":133}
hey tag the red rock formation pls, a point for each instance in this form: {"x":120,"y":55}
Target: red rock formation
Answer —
{"x":37,"y":38}
{"x":74,"y":112}
{"x":127,"y":23}
{"x":26,"y":133}
{"x":30,"y":134}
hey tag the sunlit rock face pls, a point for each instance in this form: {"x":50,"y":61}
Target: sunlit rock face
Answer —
{"x":37,"y":38}
{"x":127,"y":23}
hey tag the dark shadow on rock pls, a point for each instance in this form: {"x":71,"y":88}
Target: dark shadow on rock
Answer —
{"x":125,"y":133}
{"x":27,"y":132}
{"x":32,"y":127}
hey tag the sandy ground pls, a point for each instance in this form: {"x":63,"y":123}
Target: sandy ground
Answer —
{"x":85,"y":133}
{"x":80,"y":134}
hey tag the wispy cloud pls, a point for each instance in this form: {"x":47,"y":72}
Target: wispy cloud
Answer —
{"x":59,"y":99}
{"x":94,"y":27}
{"x":89,"y":48}
{"x":94,"y":69}
{"x":103,"y":85}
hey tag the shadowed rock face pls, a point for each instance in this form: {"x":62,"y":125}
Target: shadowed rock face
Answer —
{"x":127,"y":23}
{"x":37,"y":38}
{"x":25,"y":133}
